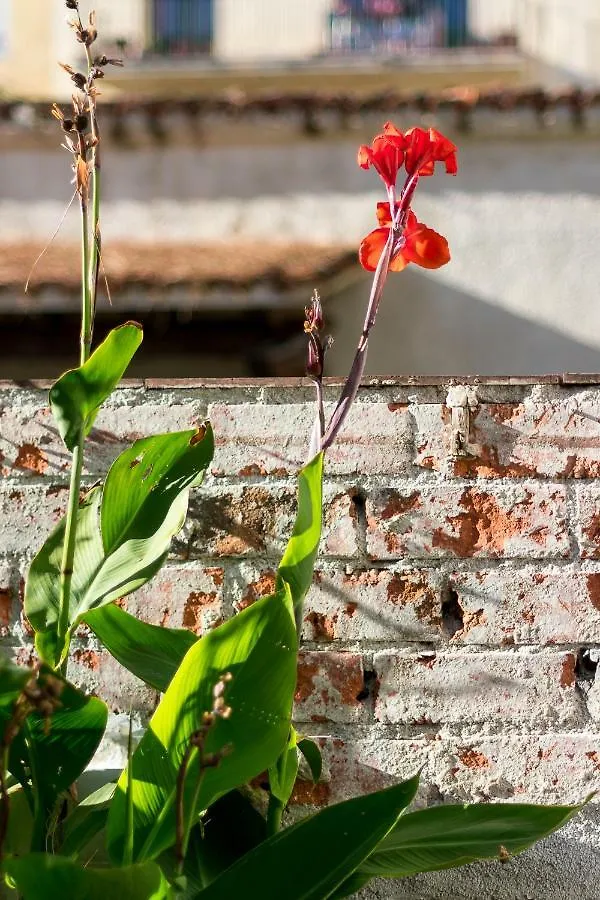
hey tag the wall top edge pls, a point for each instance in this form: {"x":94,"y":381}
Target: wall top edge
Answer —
{"x":571,"y":379}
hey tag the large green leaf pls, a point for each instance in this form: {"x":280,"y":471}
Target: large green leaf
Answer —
{"x":51,"y":753}
{"x":40,"y":876}
{"x":445,"y":836}
{"x":77,"y":396}
{"x":258,"y":647}
{"x":152,"y":653}
{"x":42,"y":589}
{"x":298,"y":562}
{"x":309,"y":860}
{"x":124,"y":531}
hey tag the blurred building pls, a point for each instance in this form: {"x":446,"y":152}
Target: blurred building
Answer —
{"x":175,"y":45}
{"x":562,"y":33}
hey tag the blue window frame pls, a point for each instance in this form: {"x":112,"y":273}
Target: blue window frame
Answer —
{"x":182,"y":27}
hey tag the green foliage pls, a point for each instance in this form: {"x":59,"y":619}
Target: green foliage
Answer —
{"x":152,"y":653}
{"x":123,"y":532}
{"x":312,"y":754}
{"x":298,"y":562}
{"x":77,"y":396}
{"x":233,"y":827}
{"x":282,"y":776}
{"x":315,"y":856}
{"x":444,"y":836}
{"x":40,"y":876}
{"x":12,"y":681}
{"x":258,"y":647}
{"x":49,"y":754}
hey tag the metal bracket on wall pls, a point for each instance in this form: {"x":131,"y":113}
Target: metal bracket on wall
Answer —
{"x":462,"y":401}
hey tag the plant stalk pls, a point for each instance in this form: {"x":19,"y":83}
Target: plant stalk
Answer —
{"x":68,"y":554}
{"x":274,"y":815}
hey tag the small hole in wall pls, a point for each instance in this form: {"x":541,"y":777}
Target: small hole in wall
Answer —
{"x":586,"y":664}
{"x":359,"y":501}
{"x":369,"y":685}
{"x":452,"y":614}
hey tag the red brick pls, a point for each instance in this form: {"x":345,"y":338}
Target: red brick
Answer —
{"x":258,"y":439}
{"x":373,"y":604}
{"x":553,"y":432}
{"x":329,"y":688}
{"x":8,"y":605}
{"x":533,"y":768}
{"x":465,"y":521}
{"x":184,"y":596}
{"x":550,"y":606}
{"x":257,"y":520}
{"x":588,"y":518}
{"x":32,"y":511}
{"x":467,"y":688}
{"x":95,"y":671}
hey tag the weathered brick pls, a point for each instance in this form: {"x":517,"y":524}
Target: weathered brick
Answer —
{"x":256,"y":439}
{"x":40,"y":451}
{"x":32,"y":513}
{"x":184,"y":596}
{"x":460,"y":688}
{"x":552,"y":432}
{"x":248,"y":582}
{"x":257,"y":520}
{"x":330,"y":688}
{"x":355,"y":604}
{"x":533,"y":768}
{"x":466,"y":521}
{"x":30,"y":444}
{"x":502,"y":607}
{"x":373,"y":604}
{"x":125,"y":419}
{"x":95,"y":671}
{"x":588,"y":521}
{"x":9,"y":612}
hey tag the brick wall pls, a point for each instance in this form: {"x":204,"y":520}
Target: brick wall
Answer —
{"x":455,"y":611}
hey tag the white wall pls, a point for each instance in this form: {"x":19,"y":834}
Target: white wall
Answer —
{"x":564,"y":33}
{"x":269,"y":29}
{"x":490,"y":19}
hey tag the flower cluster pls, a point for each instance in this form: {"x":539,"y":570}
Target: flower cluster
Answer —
{"x":417,"y":151}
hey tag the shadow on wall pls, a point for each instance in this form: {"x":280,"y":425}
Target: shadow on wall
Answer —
{"x":427,"y":328}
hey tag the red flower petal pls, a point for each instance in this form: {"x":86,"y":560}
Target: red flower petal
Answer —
{"x":444,"y":151}
{"x":372,"y":247}
{"x":399,"y":261}
{"x":426,"y":247}
{"x":365,"y":156}
{"x":386,"y":155}
{"x":383,"y":214}
{"x":419,"y":147}
{"x":428,"y":147}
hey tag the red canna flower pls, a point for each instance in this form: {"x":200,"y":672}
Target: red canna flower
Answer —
{"x":386,"y":154}
{"x":425,"y":148}
{"x":416,"y":243}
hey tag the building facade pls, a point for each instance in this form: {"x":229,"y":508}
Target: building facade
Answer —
{"x":558,"y":32}
{"x":195,"y":34}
